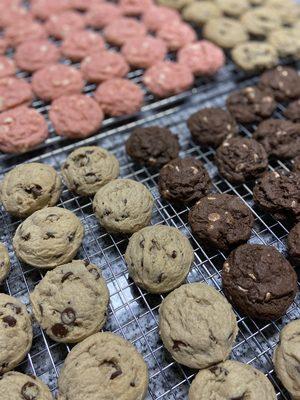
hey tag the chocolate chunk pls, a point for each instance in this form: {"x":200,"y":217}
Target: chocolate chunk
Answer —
{"x":59,"y":330}
{"x":26,"y":236}
{"x":66,"y":276}
{"x":174,"y":254}
{"x":68,"y":316}
{"x":13,"y":307}
{"x":177,"y":344}
{"x":52,"y":218}
{"x":30,"y":391}
{"x":34,"y":190}
{"x":49,"y":235}
{"x":10,"y":320}
{"x":94,"y":271}
{"x":115,"y":374}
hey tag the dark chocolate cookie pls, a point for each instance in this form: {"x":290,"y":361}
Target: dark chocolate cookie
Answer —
{"x":211,"y":126}
{"x":296,"y":164}
{"x":280,"y":138}
{"x":259,"y":281}
{"x":278,"y":192}
{"x":154,"y":146}
{"x":184,"y":180}
{"x":283,"y":82}
{"x":240,"y":159}
{"x":293,"y":242}
{"x":292,"y":112}
{"x":221,"y":220}
{"x":250,"y":104}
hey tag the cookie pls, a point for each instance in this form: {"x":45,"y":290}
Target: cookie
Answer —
{"x":261,"y":21}
{"x":292,"y":111}
{"x":120,"y":30}
{"x":250,"y":104}
{"x":101,"y":66}
{"x":3,"y":45}
{"x":225,"y":32}
{"x":103,"y":363}
{"x":48,"y":238}
{"x":30,"y":187}
{"x":76,"y":116}
{"x":79,"y":44}
{"x":89,"y":168}
{"x":278,"y":192}
{"x":15,"y":332}
{"x":102,"y":14}
{"x":200,"y":13}
{"x":10,"y":15}
{"x":65,"y":316}
{"x":21,"y":386}
{"x":23,"y":30}
{"x":62,"y":24}
{"x":221,"y":221}
{"x":159,"y":258}
{"x":144,"y":52}
{"x":14,"y":92}
{"x":154,"y":146}
{"x":288,"y":10}
{"x":233,"y":8}
{"x":293,"y":243}
{"x":240,"y":159}
{"x":177,"y":4}
{"x":7,"y":67}
{"x":197,"y":325}
{"x":155,"y":17}
{"x":167,"y":78}
{"x":119,"y":97}
{"x":286,"y":356}
{"x":56,"y":80}
{"x":286,"y":41}
{"x":4,"y":263}
{"x":22,"y":129}
{"x":43,"y":9}
{"x":123,"y":206}
{"x":202,"y":58}
{"x":280,"y":138}
{"x":84,"y":5}
{"x":184,"y":180}
{"x":231,"y":380}
{"x":33,"y":55}
{"x":176,"y":35}
{"x":283,"y":82}
{"x":259,"y":281}
{"x":254,"y":56}
{"x":211,"y":126}
{"x":135,"y":7}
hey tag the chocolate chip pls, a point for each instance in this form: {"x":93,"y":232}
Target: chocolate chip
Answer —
{"x":159,"y":278}
{"x":174,"y":254}
{"x":30,"y":391}
{"x":26,"y":236}
{"x":132,"y":384}
{"x":52,"y":217}
{"x":13,"y":307}
{"x":71,"y":237}
{"x":34,"y":190}
{"x":106,"y":212}
{"x":59,"y":330}
{"x":49,"y":235}
{"x":10,"y":320}
{"x":177,"y":344}
{"x":115,"y":374}
{"x":66,"y":165}
{"x":2,"y":263}
{"x":41,"y":309}
{"x":66,"y":276}
{"x":68,"y":316}
{"x":142,"y":243}
{"x":94,"y":272}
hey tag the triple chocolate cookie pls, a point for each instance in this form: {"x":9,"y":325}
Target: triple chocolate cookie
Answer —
{"x":241,"y":159}
{"x":222,"y":221}
{"x":259,"y":281}
{"x":293,"y":243}
{"x":211,"y":126}
{"x":184,"y":180}
{"x":292,"y":112}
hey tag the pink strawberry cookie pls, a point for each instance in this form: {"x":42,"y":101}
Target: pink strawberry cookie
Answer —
{"x":77,"y":45}
{"x":177,"y":34}
{"x":135,"y":7}
{"x":122,"y":29}
{"x":84,"y":5}
{"x":14,"y":92}
{"x":60,"y":25}
{"x":119,"y":97}
{"x":7,"y":67}
{"x":156,"y":17}
{"x":101,"y":15}
{"x":22,"y":31}
{"x":3,"y":45}
{"x":12,"y":14}
{"x":43,"y":9}
{"x":202,"y":58}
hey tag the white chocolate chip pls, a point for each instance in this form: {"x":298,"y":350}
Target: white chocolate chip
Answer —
{"x":214,"y":217}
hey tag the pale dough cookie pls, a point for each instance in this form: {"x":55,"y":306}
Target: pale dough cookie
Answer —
{"x":104,"y":366}
{"x":17,"y":386}
{"x":261,"y":21}
{"x":89,"y":168}
{"x":225,"y":32}
{"x":4,"y":263}
{"x":253,"y":56}
{"x":123,"y":205}
{"x":286,"y":41}
{"x":287,"y":10}
{"x":197,"y":325}
{"x":48,"y":238}
{"x":201,"y":12}
{"x":159,"y":258}
{"x":15,"y":333}
{"x":231,"y":380}
{"x":65,"y":315}
{"x":28,"y":188}
{"x":233,"y":8}
{"x":177,"y":4}
{"x":287,"y":358}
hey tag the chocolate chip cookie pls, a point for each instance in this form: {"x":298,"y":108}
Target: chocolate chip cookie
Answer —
{"x":222,"y":221}
{"x":184,"y":180}
{"x":261,"y":21}
{"x":211,"y":126}
{"x":15,"y":332}
{"x":200,"y":13}
{"x":103,"y":366}
{"x":48,"y":238}
{"x":231,"y":380}
{"x":225,"y":32}
{"x":240,"y":159}
{"x":286,"y":41}
{"x":293,"y":243}
{"x":250,"y":104}
{"x":89,"y":168}
{"x":282,"y":82}
{"x":4,"y":263}
{"x":123,"y":206}
{"x":233,"y":8}
{"x":278,"y":192}
{"x":292,"y":111}
{"x":253,"y":56}
{"x":65,"y":316}
{"x":197,"y":325}
{"x":159,"y":258}
{"x":153,"y":146}
{"x":259,"y":281}
{"x":286,"y":358}
{"x":280,"y":138}
{"x":28,"y":188}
